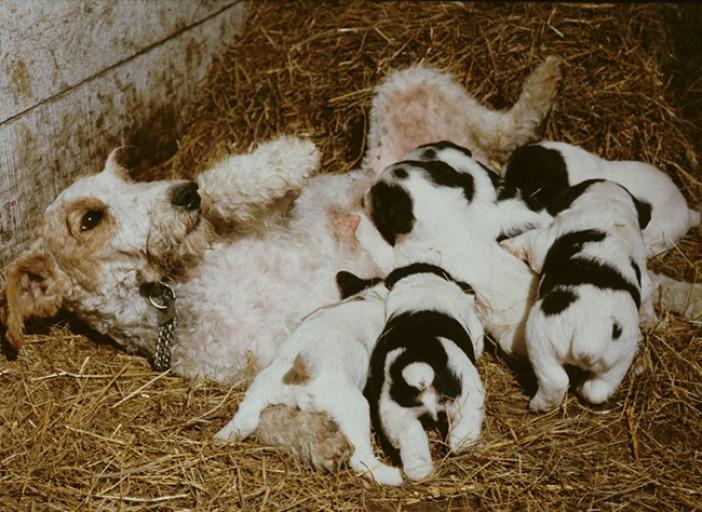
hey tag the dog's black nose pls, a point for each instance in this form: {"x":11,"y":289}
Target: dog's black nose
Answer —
{"x":186,"y":196}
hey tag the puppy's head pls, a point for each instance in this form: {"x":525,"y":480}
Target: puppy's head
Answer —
{"x":486,"y":183}
{"x":416,"y":195}
{"x":97,"y":242}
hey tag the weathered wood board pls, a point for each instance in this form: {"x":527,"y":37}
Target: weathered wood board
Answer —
{"x":78,"y":78}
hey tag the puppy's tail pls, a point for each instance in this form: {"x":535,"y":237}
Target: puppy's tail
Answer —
{"x":694,"y":218}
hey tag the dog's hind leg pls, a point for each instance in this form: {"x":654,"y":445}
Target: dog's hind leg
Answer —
{"x":600,"y":387}
{"x":421,"y":105}
{"x":466,"y":413}
{"x":553,"y":381}
{"x":519,"y":124}
{"x":405,"y":432}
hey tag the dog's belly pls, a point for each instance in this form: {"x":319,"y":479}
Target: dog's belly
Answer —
{"x":247,"y":297}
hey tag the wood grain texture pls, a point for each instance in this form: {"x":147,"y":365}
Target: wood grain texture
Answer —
{"x":104,"y":90}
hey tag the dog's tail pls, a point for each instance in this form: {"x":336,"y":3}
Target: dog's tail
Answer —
{"x":694,"y":218}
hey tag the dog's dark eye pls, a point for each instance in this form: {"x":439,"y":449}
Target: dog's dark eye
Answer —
{"x":90,"y":220}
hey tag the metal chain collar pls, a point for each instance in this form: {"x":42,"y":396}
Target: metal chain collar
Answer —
{"x":162,"y":298}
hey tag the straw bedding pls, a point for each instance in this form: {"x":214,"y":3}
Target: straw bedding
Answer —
{"x":87,"y":427}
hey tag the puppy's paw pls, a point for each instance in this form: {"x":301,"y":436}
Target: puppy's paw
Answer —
{"x":237,"y":429}
{"x":417,"y":470}
{"x":386,"y":475}
{"x":596,"y":391}
{"x":540,"y":403}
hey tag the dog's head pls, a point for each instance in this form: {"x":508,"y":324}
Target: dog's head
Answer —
{"x":97,"y":243}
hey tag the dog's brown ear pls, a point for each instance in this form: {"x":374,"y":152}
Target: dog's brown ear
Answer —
{"x":32,"y":290}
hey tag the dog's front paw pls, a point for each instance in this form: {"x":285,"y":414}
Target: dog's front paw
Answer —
{"x":330,"y":452}
{"x":311,"y":436}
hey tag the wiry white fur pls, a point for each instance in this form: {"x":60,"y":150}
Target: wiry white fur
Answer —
{"x":670,"y":216}
{"x":327,"y":356}
{"x":446,"y":111}
{"x":582,"y":334}
{"x":465,"y":413}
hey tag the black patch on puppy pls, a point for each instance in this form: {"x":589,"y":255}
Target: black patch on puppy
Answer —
{"x":564,"y":199}
{"x":557,"y":301}
{"x":445,"y":144}
{"x":616,"y":331}
{"x":350,"y":284}
{"x":504,"y":190}
{"x":424,"y":268}
{"x":563,"y":268}
{"x":445,"y":381}
{"x":643,"y":210}
{"x":540,"y":173}
{"x":391,"y":210}
{"x":637,"y":271}
{"x":400,"y":173}
{"x":417,"y":333}
{"x":444,"y":175}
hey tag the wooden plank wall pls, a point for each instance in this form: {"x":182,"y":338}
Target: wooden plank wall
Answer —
{"x":78,"y":78}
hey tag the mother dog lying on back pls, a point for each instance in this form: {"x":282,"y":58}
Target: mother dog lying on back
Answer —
{"x":180,"y":272}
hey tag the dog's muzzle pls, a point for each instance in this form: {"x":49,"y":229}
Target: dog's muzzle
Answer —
{"x":186,"y":196}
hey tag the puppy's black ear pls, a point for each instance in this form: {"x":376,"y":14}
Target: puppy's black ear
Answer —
{"x":564,"y":200}
{"x":643,"y":209}
{"x":391,"y":211}
{"x":350,"y":284}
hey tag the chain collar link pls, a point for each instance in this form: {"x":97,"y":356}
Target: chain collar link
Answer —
{"x":162,"y":297}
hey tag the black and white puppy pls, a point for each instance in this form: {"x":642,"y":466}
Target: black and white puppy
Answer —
{"x":543,"y":170}
{"x":447,"y":211}
{"x":592,"y":262}
{"x":423,"y":366}
{"x":502,"y":203}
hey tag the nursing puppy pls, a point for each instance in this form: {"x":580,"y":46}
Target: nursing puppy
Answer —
{"x":592,"y":262}
{"x":502,"y":203}
{"x":322,"y":367}
{"x":545,"y":169}
{"x":423,"y":367}
{"x":430,"y":210}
